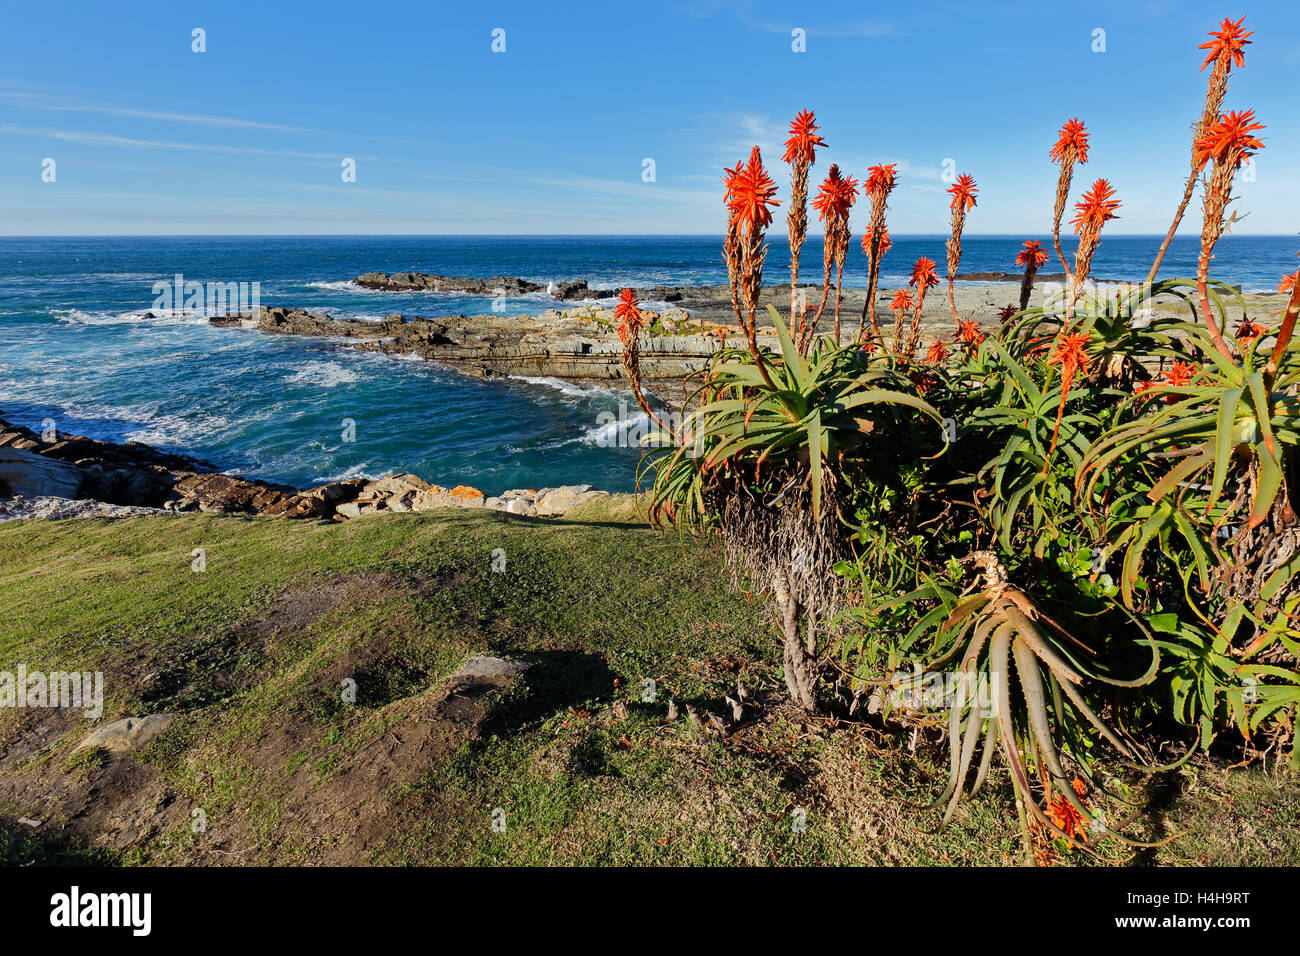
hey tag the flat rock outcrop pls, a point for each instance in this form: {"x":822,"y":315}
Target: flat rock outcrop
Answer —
{"x":421,"y":282}
{"x":575,"y":344}
{"x":569,"y":290}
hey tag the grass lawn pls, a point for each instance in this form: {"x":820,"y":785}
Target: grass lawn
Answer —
{"x":265,"y":762}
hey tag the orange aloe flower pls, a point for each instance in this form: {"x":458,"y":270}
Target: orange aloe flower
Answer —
{"x":1071,"y":354}
{"x":1065,"y":816}
{"x":938,"y":353}
{"x":1229,"y":138}
{"x":750,"y":190}
{"x":1248,"y":331}
{"x":1095,"y":209}
{"x":963,"y":192}
{"x":835,"y":196}
{"x":628,"y":313}
{"x":885,"y":241}
{"x":963,"y":200}
{"x":1033,"y":252}
{"x":902,"y":302}
{"x":968,"y":332}
{"x":1226,"y":47}
{"x":1072,"y":143}
{"x":1227,"y":141}
{"x":1287,"y":284}
{"x":803,"y":142}
{"x":1071,"y":146}
{"x":1229,"y":43}
{"x":729,"y":177}
{"x":924,"y":274}
{"x":880,"y":180}
{"x":1180,"y":374}
{"x":1031,"y":258}
{"x":924,"y":382}
{"x":876,"y":187}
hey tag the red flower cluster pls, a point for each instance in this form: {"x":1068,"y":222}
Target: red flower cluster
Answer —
{"x":750,"y":190}
{"x":1095,"y":210}
{"x":963,"y":193}
{"x":880,"y":180}
{"x":1229,"y":138}
{"x":885,"y":241}
{"x":903,"y":301}
{"x":803,"y":142}
{"x":628,"y":313}
{"x":1180,"y":374}
{"x":1033,"y":252}
{"x":938,"y":353}
{"x":924,"y":274}
{"x":835,"y":196}
{"x":1072,"y":356}
{"x":968,"y":333}
{"x":1071,"y":143}
{"x":1228,"y":44}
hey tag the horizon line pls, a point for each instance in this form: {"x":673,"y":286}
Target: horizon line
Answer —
{"x":581,"y":235}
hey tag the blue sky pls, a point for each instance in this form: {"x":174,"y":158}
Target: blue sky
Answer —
{"x":149,"y":137}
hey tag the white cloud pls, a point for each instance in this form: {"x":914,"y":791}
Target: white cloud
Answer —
{"x":39,"y":101}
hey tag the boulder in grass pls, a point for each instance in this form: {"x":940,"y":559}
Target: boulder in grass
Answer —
{"x":482,"y":666}
{"x":552,"y":502}
{"x":127,"y":734}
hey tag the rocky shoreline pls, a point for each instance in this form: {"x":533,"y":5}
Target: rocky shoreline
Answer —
{"x":684,"y":325}
{"x":579,"y":343}
{"x":576,"y":345}
{"x":74,"y":476}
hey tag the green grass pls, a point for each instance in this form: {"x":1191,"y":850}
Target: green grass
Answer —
{"x":251,"y":654}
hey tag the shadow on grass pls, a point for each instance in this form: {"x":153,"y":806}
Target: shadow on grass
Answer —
{"x":554,"y":682}
{"x":21,"y":845}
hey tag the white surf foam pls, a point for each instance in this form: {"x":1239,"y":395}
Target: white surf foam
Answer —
{"x":324,"y":374}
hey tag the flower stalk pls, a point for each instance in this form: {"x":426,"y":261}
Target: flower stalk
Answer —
{"x":963,"y":200}
{"x":1226,"y":47}
{"x":880,"y":182}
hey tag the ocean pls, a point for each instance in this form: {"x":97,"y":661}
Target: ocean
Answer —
{"x":77,"y":351}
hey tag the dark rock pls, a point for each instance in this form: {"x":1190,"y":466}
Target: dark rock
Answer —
{"x":413,"y":281}
{"x":28,"y":473}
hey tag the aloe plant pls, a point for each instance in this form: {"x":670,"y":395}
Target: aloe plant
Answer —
{"x":756,"y":459}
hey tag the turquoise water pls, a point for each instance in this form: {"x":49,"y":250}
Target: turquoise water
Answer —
{"x":76,"y":349}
